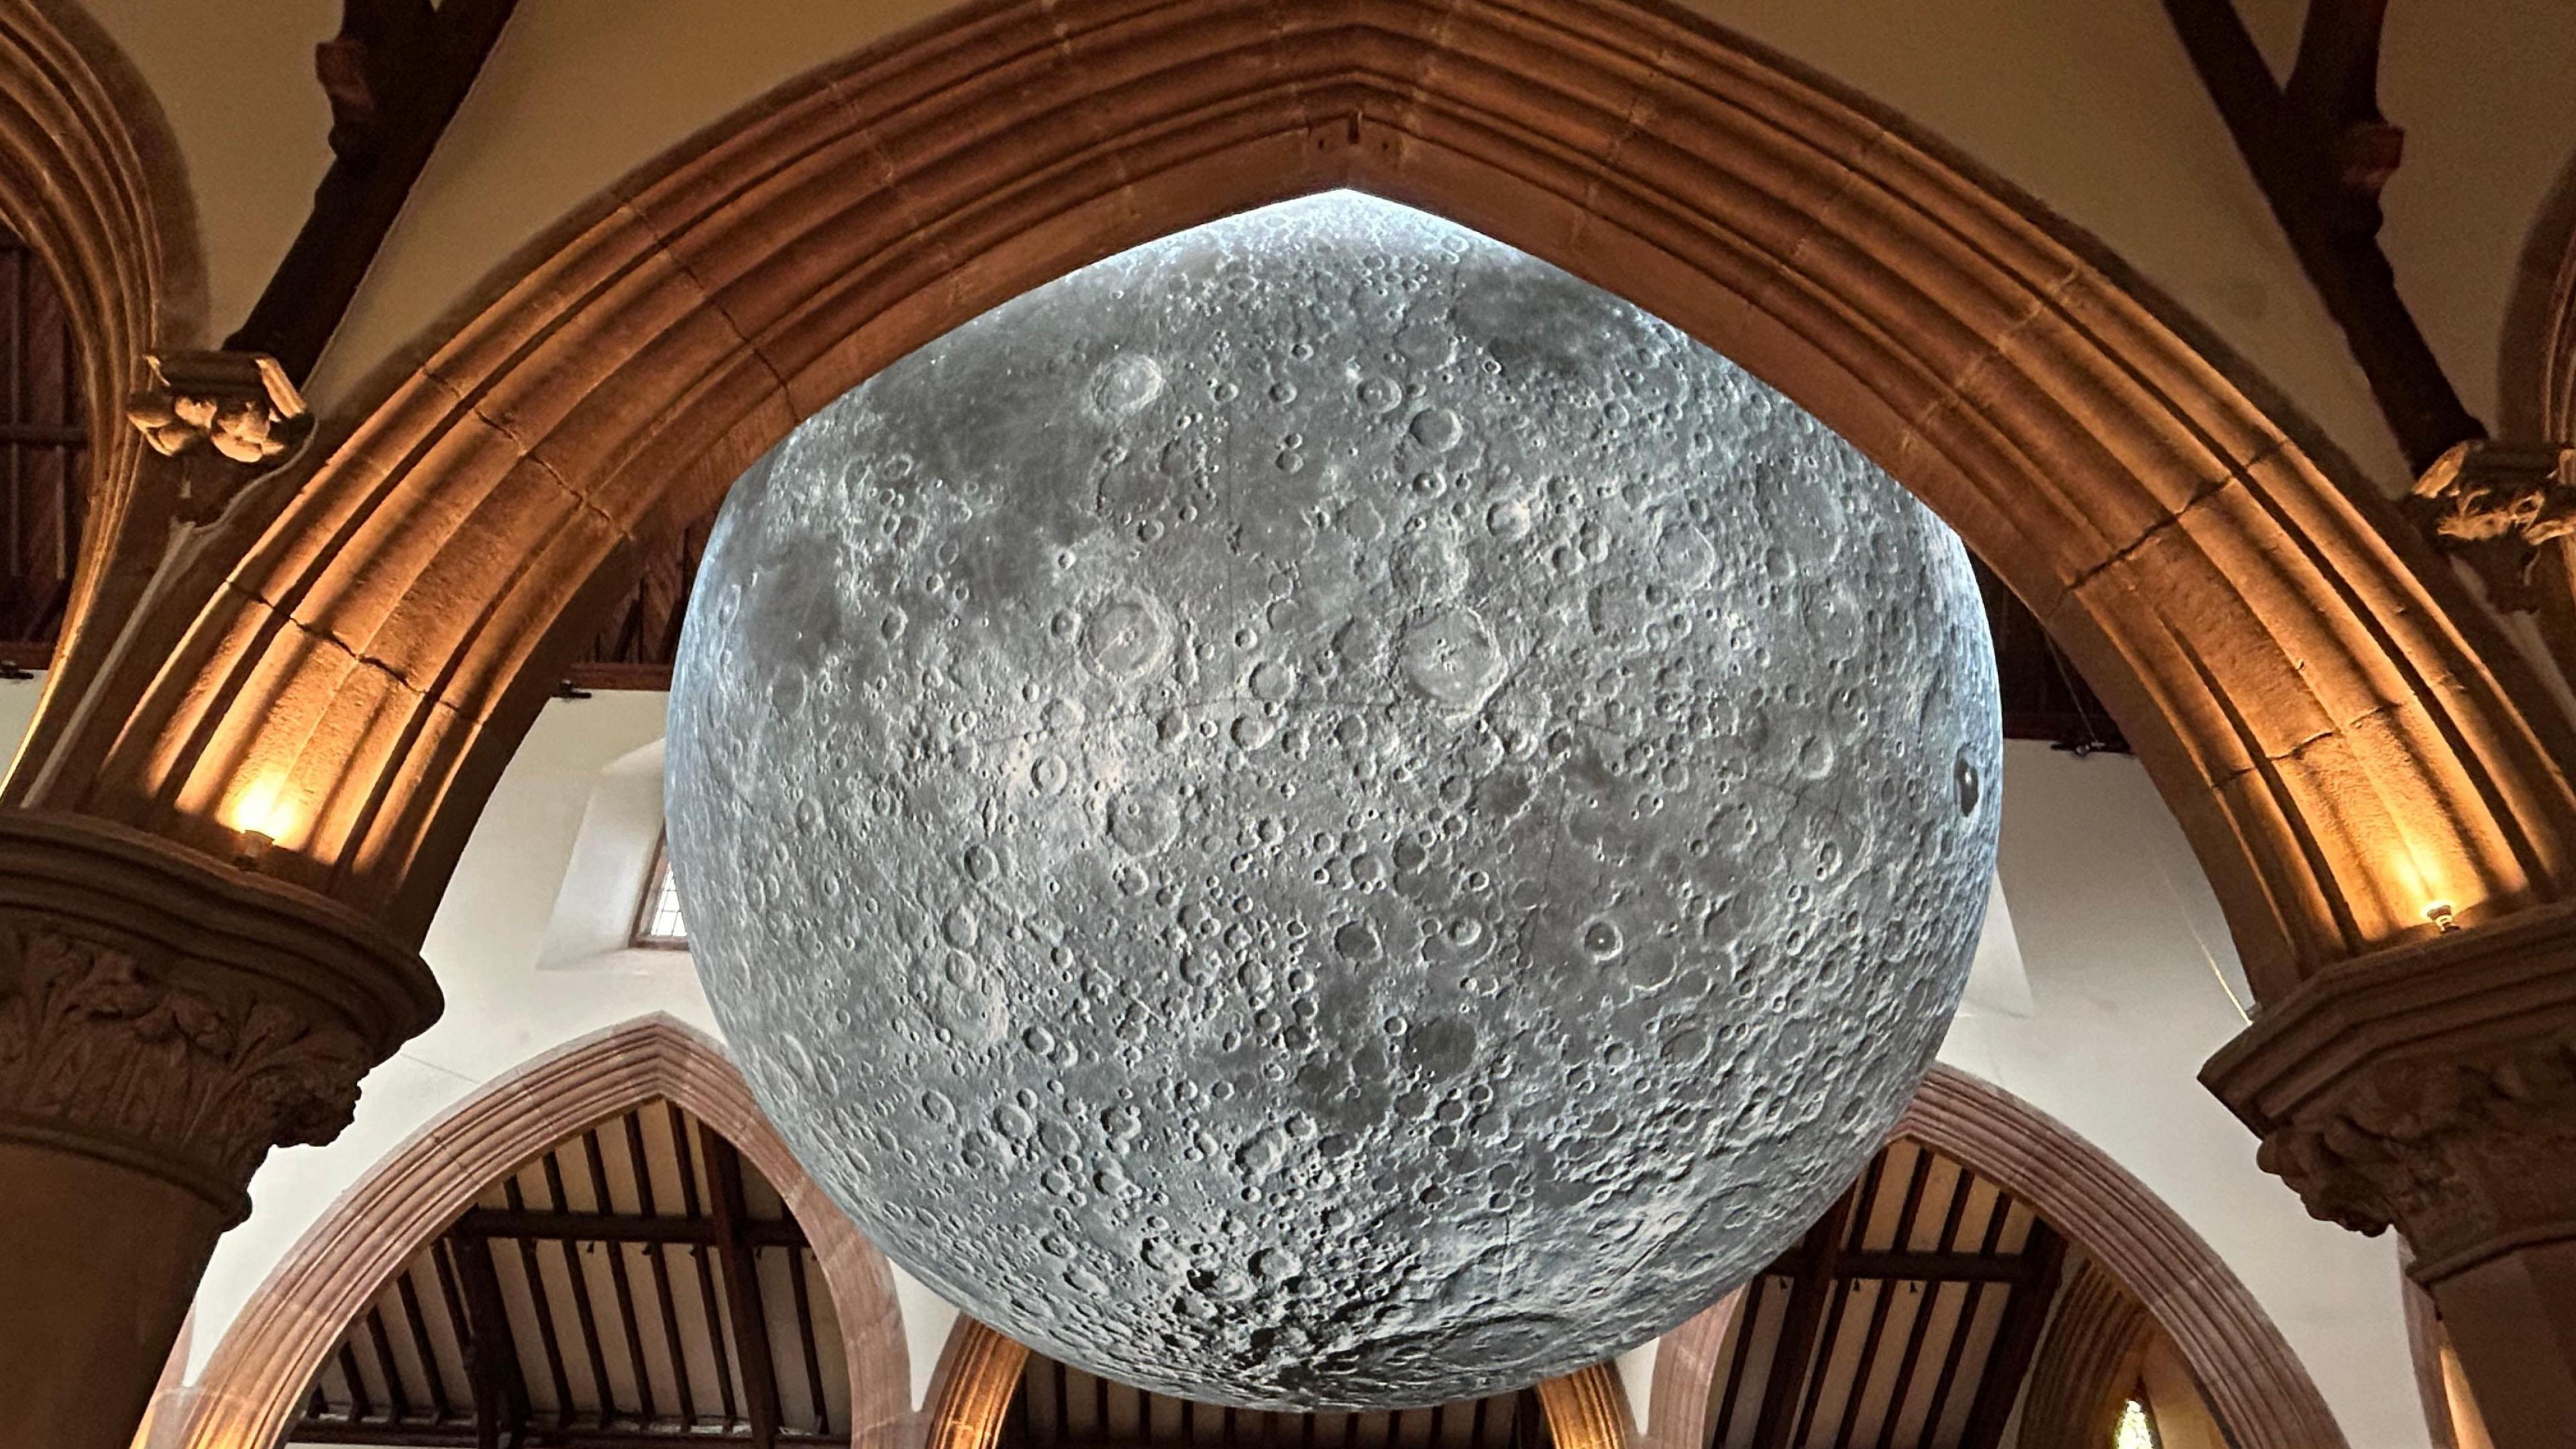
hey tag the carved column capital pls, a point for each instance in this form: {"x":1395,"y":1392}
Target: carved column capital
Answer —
{"x":2497,"y":504}
{"x":2430,"y":1087}
{"x":178,"y":1017}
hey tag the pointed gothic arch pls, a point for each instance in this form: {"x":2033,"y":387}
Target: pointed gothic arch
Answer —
{"x":2244,"y":1367}
{"x":91,"y":181}
{"x":2338,"y":732}
{"x":247,"y":1396}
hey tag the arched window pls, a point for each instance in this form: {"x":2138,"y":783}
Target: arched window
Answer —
{"x":2137,"y":1427}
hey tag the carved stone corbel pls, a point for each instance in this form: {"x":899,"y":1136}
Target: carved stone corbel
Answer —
{"x":168,"y":1014}
{"x":2430,"y":1087}
{"x":228,"y":416}
{"x":2497,"y":505}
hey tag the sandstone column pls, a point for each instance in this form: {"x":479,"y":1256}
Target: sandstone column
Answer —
{"x":2432,"y":1087}
{"x":165,"y":1019}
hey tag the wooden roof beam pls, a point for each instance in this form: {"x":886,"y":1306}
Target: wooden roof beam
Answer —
{"x":572,"y":1227}
{"x":437,"y":1436}
{"x":2319,"y":150}
{"x":500,"y":1395}
{"x":395,"y":73}
{"x":1809,"y":1292}
{"x":1910,"y":1267}
{"x":2016,"y":1340}
{"x":742,"y":1287}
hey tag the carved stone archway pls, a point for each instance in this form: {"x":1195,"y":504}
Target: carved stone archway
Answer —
{"x":247,"y":1396}
{"x":979,"y":1374}
{"x":90,"y":179}
{"x":2341,"y":742}
{"x":2245,"y":1368}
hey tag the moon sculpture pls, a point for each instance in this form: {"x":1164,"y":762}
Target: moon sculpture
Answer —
{"x":1323,"y":815}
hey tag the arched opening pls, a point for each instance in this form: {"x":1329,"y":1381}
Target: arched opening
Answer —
{"x":2338,"y":742}
{"x":636,"y":1281}
{"x":1932,"y":1307}
{"x":44,"y":458}
{"x":1909,"y":1315}
{"x":92,"y":193}
{"x":573,"y":1255}
{"x":1987,"y":1259}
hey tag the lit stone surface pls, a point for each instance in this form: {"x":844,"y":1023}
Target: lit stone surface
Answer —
{"x":1322,"y":814}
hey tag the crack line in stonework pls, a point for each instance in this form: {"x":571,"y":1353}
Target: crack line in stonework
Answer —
{"x":322,"y":635}
{"x":2291,"y":753}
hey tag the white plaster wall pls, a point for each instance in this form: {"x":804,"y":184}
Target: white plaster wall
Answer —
{"x":2092,"y":107}
{"x":2460,"y":208}
{"x":2122,"y":956}
{"x":2127,"y":958}
{"x":235,"y":82}
{"x":502,"y":1008}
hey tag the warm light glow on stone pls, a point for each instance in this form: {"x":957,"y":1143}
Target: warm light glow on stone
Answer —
{"x":261,"y":810}
{"x":2135,"y":1430}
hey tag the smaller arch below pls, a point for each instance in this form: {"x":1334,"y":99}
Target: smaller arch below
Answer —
{"x":2088,"y":1361}
{"x":2245,"y":1369}
{"x":249,"y":1392}
{"x":1686,"y":1363}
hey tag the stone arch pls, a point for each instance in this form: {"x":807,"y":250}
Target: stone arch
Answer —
{"x":979,"y":1372}
{"x":248,"y":1394}
{"x":2536,"y":355}
{"x":2536,"y":388}
{"x":1686,"y":1364}
{"x":90,"y":179}
{"x":2097,"y":1339}
{"x":2245,"y":1368}
{"x":2338,"y":732}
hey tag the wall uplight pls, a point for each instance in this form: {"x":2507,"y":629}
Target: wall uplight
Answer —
{"x":2441,"y":914}
{"x":259,"y":815}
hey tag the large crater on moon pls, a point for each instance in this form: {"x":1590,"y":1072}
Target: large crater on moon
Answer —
{"x":1321,"y":814}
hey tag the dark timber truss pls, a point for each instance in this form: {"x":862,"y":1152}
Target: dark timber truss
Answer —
{"x":636,"y":1286}
{"x":395,"y":75}
{"x":1906,"y":1319}
{"x":2320,"y":150}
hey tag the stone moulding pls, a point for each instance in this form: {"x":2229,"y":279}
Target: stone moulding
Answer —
{"x":2335,"y":726}
{"x":2086,"y":1365}
{"x":251,"y":1385}
{"x":91,"y":180}
{"x":1587,"y":1409}
{"x":971,"y":1392}
{"x":1686,"y":1367}
{"x":2430,"y":1087}
{"x":179,"y":1017}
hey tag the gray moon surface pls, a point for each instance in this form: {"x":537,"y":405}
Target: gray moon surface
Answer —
{"x":1321,"y":814}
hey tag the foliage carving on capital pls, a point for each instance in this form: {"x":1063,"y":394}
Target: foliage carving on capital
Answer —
{"x":96,"y":1042}
{"x":2429,"y":1086}
{"x":2457,"y":1153}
